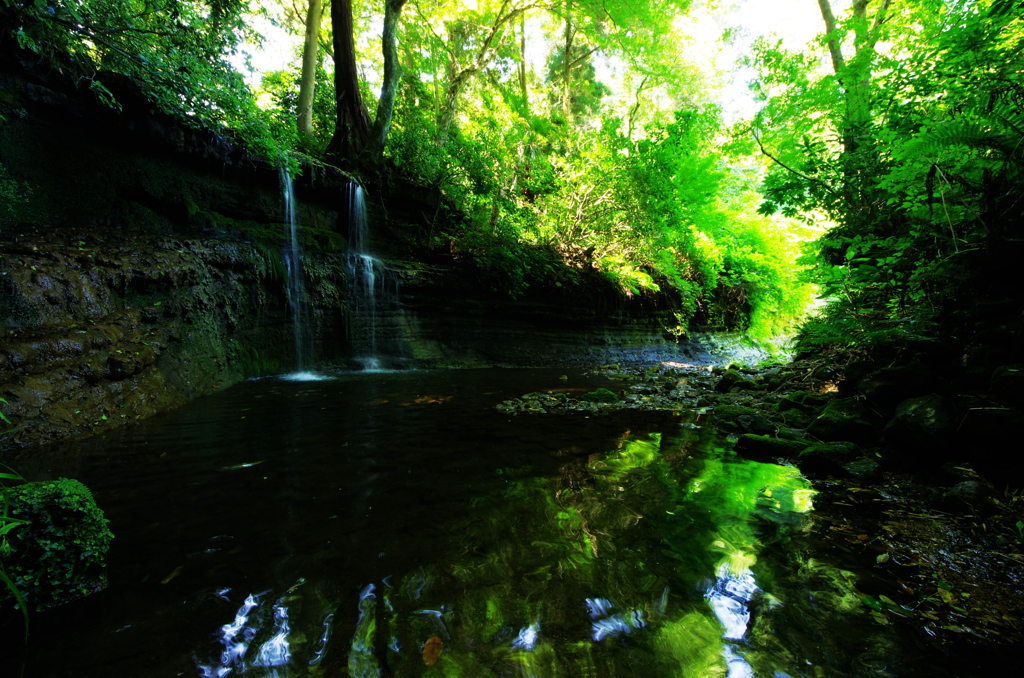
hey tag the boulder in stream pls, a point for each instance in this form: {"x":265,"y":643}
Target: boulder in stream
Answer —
{"x":733,"y":381}
{"x":601,"y":395}
{"x":60,"y":555}
{"x":922,"y":423}
{"x":765,"y":448}
{"x":844,"y":420}
{"x":743,"y":419}
{"x":829,"y":457}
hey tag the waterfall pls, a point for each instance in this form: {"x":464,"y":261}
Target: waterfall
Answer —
{"x":373,"y":289}
{"x":295,"y":286}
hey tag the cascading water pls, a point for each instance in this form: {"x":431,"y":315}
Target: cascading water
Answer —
{"x":296,"y":288}
{"x":373,"y":289}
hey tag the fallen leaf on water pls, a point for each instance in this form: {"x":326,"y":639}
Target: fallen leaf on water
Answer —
{"x":432,"y":650}
{"x":172,"y":575}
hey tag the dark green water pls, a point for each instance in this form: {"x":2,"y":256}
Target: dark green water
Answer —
{"x":332,"y":528}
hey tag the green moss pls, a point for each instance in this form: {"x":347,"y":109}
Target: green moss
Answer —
{"x":256,"y":363}
{"x":61,"y":554}
{"x":601,"y":395}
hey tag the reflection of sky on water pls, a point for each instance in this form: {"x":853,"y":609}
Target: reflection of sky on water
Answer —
{"x":238,"y":636}
{"x":730,"y":598}
{"x":618,"y":625}
{"x":527,"y":637}
{"x":362,"y":662}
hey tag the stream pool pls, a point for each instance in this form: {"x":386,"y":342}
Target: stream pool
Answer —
{"x":396,"y":524}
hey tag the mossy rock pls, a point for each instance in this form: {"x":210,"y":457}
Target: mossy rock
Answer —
{"x":888,"y":386}
{"x":863,"y":469}
{"x":60,"y":555}
{"x":738,"y":418}
{"x":844,"y":420}
{"x":601,"y":395}
{"x":1007,"y":383}
{"x":765,"y":448}
{"x":829,"y":457}
{"x":733,"y":381}
{"x":922,"y":423}
{"x":801,"y":401}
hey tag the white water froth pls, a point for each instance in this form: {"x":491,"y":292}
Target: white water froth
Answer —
{"x":306,"y":376}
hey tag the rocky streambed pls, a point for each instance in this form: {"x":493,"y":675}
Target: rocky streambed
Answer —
{"x":936,"y":546}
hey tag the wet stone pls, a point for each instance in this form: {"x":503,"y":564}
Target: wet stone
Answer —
{"x":764,"y":448}
{"x":843,"y":420}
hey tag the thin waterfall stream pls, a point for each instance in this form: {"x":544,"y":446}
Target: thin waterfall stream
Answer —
{"x":373,"y":288}
{"x":295,"y":283}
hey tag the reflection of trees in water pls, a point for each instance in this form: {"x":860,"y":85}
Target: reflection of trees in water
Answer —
{"x":640,"y":561}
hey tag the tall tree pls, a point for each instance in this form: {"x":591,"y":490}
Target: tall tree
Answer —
{"x":392,"y":78}
{"x":310,"y":63}
{"x":352,"y":130}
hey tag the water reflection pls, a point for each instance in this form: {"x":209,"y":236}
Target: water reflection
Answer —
{"x":667,"y":539}
{"x":437,"y":538}
{"x":239,"y":635}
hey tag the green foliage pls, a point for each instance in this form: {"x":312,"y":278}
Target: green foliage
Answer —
{"x":59,"y":554}
{"x":918,"y":166}
{"x":178,"y":54}
{"x":282,"y":90}
{"x":12,"y":194}
{"x":554,"y":172}
{"x":7,"y":524}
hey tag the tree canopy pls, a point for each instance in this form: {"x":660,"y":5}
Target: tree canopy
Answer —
{"x":582,"y":136}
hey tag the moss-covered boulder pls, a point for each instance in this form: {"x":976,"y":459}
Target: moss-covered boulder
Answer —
{"x":742,"y":419}
{"x":765,"y":448}
{"x":732,"y":381}
{"x":886,"y":387}
{"x":1007,"y":383}
{"x":922,"y":423}
{"x":844,"y":420}
{"x":801,"y":401}
{"x":601,"y":395}
{"x":828,"y":457}
{"x":60,"y":555}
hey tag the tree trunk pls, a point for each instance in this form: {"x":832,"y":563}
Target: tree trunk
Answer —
{"x":307,"y":83}
{"x":522,"y":65}
{"x":567,"y":63}
{"x":392,"y":78}
{"x":485,"y":54}
{"x":353,"y":123}
{"x":838,"y":63}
